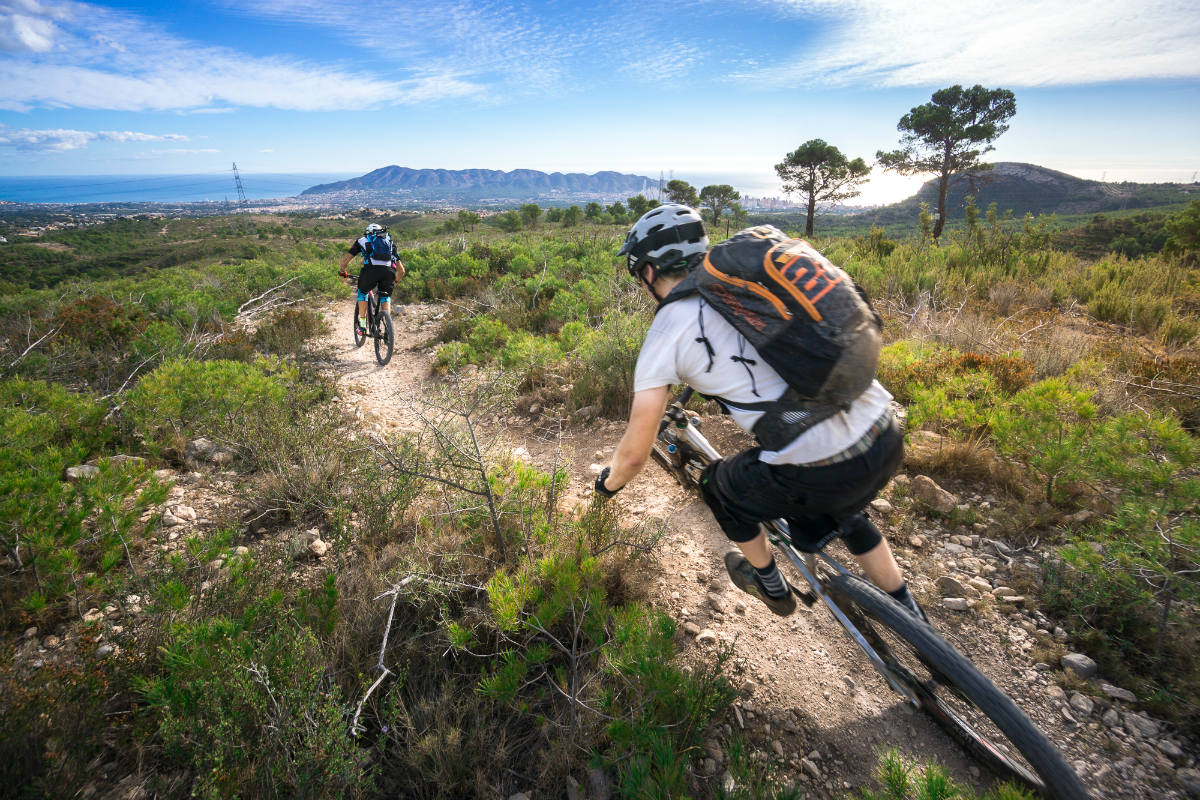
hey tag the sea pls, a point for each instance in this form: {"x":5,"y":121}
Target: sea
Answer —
{"x":194,"y":188}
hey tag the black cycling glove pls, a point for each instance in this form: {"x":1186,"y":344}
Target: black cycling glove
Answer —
{"x":599,"y":486}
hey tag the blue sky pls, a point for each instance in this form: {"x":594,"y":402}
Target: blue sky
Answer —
{"x":711,"y":90}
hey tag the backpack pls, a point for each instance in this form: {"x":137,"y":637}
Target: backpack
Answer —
{"x":378,"y":248}
{"x":806,"y":317}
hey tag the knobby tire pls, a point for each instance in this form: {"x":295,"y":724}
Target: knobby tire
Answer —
{"x":359,"y":338}
{"x":384,"y":338}
{"x":956,"y":694}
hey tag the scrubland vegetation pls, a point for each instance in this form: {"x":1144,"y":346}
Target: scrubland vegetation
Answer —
{"x":473,"y":638}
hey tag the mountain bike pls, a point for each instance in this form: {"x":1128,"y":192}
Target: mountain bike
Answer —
{"x":919,"y":664}
{"x":379,"y":327}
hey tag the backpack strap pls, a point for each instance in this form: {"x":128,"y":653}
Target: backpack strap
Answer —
{"x":784,"y":419}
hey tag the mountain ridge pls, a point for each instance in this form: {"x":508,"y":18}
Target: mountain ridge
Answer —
{"x":514,"y":184}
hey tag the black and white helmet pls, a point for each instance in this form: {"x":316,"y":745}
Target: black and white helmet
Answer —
{"x":666,"y":237}
{"x":375,"y":227}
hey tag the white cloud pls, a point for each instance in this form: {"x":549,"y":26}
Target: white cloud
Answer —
{"x":62,"y":139}
{"x":1015,"y":44}
{"x":506,"y":47}
{"x":671,"y":60}
{"x":99,"y":58}
{"x":28,"y":26}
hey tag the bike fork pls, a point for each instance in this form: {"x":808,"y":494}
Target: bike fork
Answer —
{"x":807,"y":567}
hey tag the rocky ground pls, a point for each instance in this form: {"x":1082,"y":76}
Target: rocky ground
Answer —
{"x":810,"y":707}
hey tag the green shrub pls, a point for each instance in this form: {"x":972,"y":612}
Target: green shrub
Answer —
{"x":1132,"y":576}
{"x":225,"y":684}
{"x":900,"y":779}
{"x":604,"y":364}
{"x":1047,"y":427}
{"x":533,"y":360}
{"x":1178,"y":331}
{"x":62,"y":539}
{"x":184,"y":398}
{"x":551,"y":644}
{"x":1110,"y":303}
{"x":287,"y":333}
{"x":454,"y":355}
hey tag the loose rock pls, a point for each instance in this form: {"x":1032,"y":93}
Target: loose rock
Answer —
{"x":1189,"y":779}
{"x":1083,"y":666}
{"x":1082,"y":703}
{"x":926,"y":491}
{"x":952,"y":587}
{"x":1140,"y":724}
{"x":82,"y":472}
{"x":1117,"y":693}
{"x":955,"y":603}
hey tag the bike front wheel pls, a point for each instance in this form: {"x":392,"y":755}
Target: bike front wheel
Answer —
{"x":359,"y":338}
{"x":384,"y":338}
{"x":948,"y":687}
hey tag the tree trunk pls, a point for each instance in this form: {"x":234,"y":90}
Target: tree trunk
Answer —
{"x":943,"y":185}
{"x":812,"y":210}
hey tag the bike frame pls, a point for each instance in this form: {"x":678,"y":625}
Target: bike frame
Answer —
{"x":780,"y":536}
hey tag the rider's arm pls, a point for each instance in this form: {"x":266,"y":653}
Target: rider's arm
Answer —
{"x":635,"y":445}
{"x":346,"y":260}
{"x":396,"y":260}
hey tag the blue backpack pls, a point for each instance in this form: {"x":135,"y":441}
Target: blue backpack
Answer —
{"x":378,"y":248}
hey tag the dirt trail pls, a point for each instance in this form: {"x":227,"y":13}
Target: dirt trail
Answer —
{"x":810,"y":703}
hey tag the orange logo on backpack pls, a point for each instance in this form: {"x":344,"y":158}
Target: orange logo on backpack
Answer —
{"x":803,"y":273}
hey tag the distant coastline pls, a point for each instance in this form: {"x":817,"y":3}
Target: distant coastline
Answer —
{"x":192,"y":188}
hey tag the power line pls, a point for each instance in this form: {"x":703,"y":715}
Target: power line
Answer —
{"x":243,"y":203}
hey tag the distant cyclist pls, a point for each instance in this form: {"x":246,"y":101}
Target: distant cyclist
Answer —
{"x":380,"y":267}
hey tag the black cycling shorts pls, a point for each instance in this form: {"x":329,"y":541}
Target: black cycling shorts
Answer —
{"x":372,"y":276}
{"x":819,"y":503}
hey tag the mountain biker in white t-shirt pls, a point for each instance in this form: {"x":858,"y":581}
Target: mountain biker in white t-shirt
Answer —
{"x":820,"y":482}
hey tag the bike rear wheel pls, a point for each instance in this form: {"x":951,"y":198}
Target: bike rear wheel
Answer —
{"x":976,"y":714}
{"x":384,"y":338}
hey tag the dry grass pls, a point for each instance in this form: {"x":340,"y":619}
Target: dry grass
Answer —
{"x":970,"y":461}
{"x":1057,"y":351}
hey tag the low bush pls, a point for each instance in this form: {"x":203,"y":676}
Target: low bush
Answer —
{"x":256,"y":679}
{"x":62,"y":540}
{"x":184,"y":398}
{"x":604,"y":364}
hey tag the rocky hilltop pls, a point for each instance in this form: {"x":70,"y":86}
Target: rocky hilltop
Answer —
{"x":475,"y":184}
{"x":1038,"y":190}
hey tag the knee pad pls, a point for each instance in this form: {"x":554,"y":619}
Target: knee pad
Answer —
{"x":860,"y":534}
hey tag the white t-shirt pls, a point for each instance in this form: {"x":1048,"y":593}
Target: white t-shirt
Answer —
{"x":671,"y":354}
